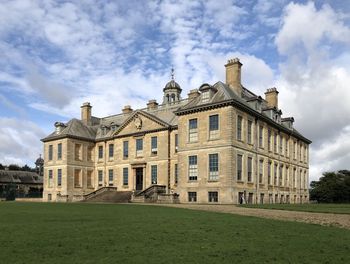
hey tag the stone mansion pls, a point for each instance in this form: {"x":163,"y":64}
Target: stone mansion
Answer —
{"x":222,"y":144}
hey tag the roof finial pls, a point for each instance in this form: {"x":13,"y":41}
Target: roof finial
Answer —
{"x":172,"y":72}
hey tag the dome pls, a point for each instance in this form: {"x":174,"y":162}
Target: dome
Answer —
{"x":172,"y":85}
{"x":39,"y":161}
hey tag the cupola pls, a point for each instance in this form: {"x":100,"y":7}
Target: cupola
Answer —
{"x":172,"y":91}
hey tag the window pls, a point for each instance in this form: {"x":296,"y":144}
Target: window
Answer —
{"x":281,"y":145}
{"x":125,"y":176}
{"x":239,"y":167}
{"x":280,"y":180}
{"x":77,"y":152}
{"x":269,"y":173}
{"x":261,"y":170}
{"x":213,"y":126}
{"x":275,"y":175}
{"x":77,"y":178}
{"x":59,"y":177}
{"x":49,"y":197}
{"x":249,"y":169}
{"x":286,"y":177}
{"x":213,"y":197}
{"x":100,"y":178}
{"x":261,"y":138}
{"x":193,"y":130}
{"x":139,"y":147}
{"x":192,"y":168}
{"x":295,"y":177}
{"x":213,"y":167}
{"x":50,"y":178}
{"x":125,"y":149}
{"x":110,"y":177}
{"x":205,"y":97}
{"x":154,"y":174}
{"x":100,"y":152}
{"x":295,"y":150}
{"x":192,"y":196}
{"x":239,"y":128}
{"x":300,"y":152}
{"x":90,"y":153}
{"x":89,"y":179}
{"x":59,"y":151}
{"x":50,"y":152}
{"x":111,"y":150}
{"x":275,"y":143}
{"x":286,"y":148}
{"x":176,"y":173}
{"x":176,"y":142}
{"x":269,"y":139}
{"x":249,"y":131}
{"x":154,"y":145}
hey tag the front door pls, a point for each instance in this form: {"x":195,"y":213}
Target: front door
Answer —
{"x":139,"y":179}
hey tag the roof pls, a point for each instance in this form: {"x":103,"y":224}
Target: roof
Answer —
{"x":103,"y":128}
{"x":20,"y":177}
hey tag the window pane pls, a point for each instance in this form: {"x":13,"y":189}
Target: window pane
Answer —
{"x":154,"y":174}
{"x":125,"y":149}
{"x":213,"y":122}
{"x":111,"y":150}
{"x":239,"y":167}
{"x":59,"y":151}
{"x":125,"y":176}
{"x":213,"y":166}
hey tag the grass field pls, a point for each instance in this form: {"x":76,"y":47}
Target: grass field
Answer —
{"x":319,"y":208}
{"x":107,"y":233}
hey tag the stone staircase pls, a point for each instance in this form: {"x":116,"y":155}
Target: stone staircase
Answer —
{"x":107,"y":195}
{"x":154,"y":194}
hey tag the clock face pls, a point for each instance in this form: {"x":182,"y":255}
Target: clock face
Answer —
{"x":138,"y":122}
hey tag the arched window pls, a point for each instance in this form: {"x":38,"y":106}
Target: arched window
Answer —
{"x":167,"y":98}
{"x":173,"y":97}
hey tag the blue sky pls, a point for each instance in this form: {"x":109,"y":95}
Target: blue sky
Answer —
{"x":55,"y":55}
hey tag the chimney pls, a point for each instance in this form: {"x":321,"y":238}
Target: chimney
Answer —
{"x":152,"y":104}
{"x":193,"y":94}
{"x":127,"y":109}
{"x":233,"y":75}
{"x":271,"y":96}
{"x":86,"y":113}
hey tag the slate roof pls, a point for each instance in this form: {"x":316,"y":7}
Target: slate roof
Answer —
{"x":168,"y":113}
{"x":20,"y":177}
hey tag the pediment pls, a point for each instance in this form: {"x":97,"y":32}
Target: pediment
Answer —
{"x":140,"y":122}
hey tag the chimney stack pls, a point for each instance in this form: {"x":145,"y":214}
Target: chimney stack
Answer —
{"x":233,"y":75}
{"x":152,"y":104}
{"x":86,"y":113}
{"x":193,"y":94}
{"x":127,"y":109}
{"x":271,"y":96}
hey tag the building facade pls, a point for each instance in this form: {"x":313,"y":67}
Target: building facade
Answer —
{"x":222,"y":144}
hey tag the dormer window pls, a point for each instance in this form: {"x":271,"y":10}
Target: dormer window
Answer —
{"x":205,"y":97}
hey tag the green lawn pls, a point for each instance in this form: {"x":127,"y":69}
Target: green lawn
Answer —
{"x":319,"y":208}
{"x":107,"y":233}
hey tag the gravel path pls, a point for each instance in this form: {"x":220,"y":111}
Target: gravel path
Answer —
{"x":338,"y":220}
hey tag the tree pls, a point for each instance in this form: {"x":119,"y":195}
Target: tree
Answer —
{"x":2,"y":167}
{"x":14,"y":167}
{"x":332,"y":187}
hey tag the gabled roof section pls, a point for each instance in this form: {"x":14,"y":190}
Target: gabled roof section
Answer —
{"x":137,"y":114}
{"x":74,"y":128}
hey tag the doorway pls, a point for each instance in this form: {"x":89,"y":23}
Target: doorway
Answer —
{"x":139,"y":179}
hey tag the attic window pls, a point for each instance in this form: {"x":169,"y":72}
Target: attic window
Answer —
{"x":113,"y":127}
{"x":205,"y":97}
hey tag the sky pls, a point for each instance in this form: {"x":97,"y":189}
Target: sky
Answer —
{"x":55,"y":55}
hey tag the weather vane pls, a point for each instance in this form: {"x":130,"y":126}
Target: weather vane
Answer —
{"x":172,"y":72}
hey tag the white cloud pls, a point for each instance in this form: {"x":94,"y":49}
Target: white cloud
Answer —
{"x":19,"y":141}
{"x":313,"y":81}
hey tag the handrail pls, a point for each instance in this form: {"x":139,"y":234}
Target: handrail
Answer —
{"x":98,"y":191}
{"x":153,"y":188}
